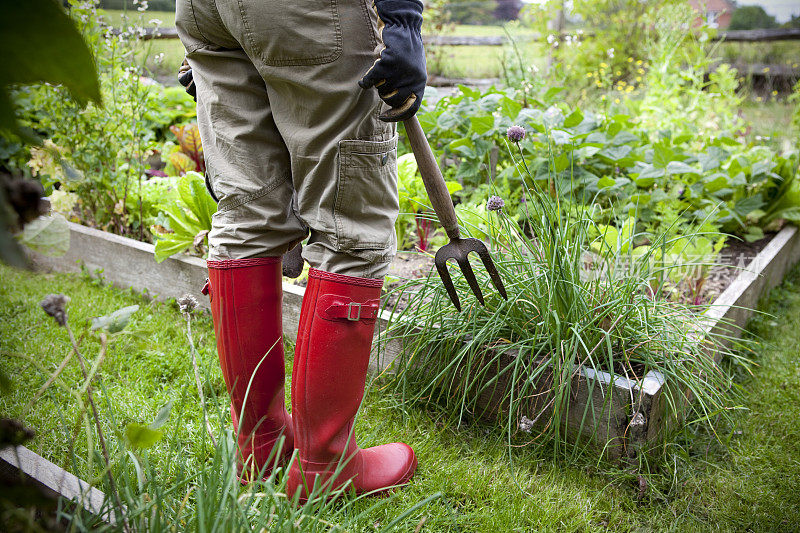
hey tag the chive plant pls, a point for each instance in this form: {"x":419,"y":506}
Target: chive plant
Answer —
{"x":535,"y":362}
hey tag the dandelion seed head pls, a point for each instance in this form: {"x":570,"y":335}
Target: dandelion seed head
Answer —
{"x":55,"y":305}
{"x":187,"y":303}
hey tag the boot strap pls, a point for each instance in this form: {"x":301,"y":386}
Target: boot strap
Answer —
{"x":340,"y":307}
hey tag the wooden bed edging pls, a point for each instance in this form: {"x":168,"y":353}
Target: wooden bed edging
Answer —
{"x":18,"y":462}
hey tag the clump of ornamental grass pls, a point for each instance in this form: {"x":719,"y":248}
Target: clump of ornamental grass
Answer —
{"x":530,"y":362}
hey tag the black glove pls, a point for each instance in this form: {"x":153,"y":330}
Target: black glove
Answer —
{"x":186,"y":79}
{"x":399,"y":72}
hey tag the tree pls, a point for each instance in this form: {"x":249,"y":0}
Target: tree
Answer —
{"x":507,"y":9}
{"x":471,"y":11}
{"x":751,"y":18}
{"x":794,"y":22}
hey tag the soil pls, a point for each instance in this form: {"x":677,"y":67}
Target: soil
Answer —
{"x":735,"y":257}
{"x":406,"y":265}
{"x":409,"y":265}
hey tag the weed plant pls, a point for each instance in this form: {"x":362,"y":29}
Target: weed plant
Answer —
{"x":535,"y":362}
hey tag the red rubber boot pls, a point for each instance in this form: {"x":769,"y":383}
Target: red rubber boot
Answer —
{"x":246,"y":297}
{"x":328,"y":377}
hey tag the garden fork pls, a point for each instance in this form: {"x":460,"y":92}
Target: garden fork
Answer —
{"x":457,"y":248}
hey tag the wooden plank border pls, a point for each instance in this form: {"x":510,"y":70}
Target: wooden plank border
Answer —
{"x":21,"y":463}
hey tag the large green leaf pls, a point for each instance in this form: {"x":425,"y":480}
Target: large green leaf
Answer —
{"x":662,"y":155}
{"x":679,"y":167}
{"x":510,"y":108}
{"x":575,"y":118}
{"x":482,"y":123}
{"x":171,"y":244}
{"x":116,"y":321}
{"x":47,"y":234}
{"x":180,"y":223}
{"x":193,"y":193}
{"x":39,"y":43}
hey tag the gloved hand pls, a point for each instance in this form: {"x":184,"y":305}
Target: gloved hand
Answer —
{"x":399,"y":72}
{"x":186,"y":79}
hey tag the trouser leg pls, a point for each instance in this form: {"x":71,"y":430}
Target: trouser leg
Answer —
{"x":306,"y":116}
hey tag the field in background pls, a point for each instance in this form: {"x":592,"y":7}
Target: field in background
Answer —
{"x":447,"y":61}
{"x":768,"y":114}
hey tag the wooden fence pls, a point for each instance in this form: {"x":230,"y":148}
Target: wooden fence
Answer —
{"x":758,"y":72}
{"x":746,"y":36}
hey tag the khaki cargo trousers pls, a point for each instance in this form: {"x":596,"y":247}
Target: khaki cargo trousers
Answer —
{"x":293,"y":145}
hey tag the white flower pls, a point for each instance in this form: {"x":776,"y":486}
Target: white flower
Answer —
{"x":155,"y":22}
{"x":610,"y":53}
{"x":551,"y":38}
{"x":526,"y":424}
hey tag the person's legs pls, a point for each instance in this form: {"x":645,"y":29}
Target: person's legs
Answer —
{"x":344,"y":172}
{"x":248,"y":169}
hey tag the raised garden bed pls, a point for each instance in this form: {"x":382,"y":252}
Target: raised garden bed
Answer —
{"x":634,"y":418}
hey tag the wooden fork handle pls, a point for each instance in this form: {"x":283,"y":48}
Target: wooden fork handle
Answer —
{"x":432,"y":178}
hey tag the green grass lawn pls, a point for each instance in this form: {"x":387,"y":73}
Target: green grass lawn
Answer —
{"x":770,"y":118}
{"x":753,"y":483}
{"x":116,"y":16}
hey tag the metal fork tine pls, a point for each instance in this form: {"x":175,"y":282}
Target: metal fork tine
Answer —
{"x":491,"y":268}
{"x":447,"y":281}
{"x":469,"y":275}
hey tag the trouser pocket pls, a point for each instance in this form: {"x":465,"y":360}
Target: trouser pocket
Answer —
{"x":200,"y":25}
{"x":367,"y":203}
{"x":283,"y":33}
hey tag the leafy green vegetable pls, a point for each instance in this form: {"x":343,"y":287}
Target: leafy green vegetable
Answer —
{"x":189,"y":220}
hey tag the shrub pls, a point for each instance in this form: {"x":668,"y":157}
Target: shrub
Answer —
{"x":673,"y":177}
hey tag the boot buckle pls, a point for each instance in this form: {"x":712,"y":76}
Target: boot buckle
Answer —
{"x":350,"y":307}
